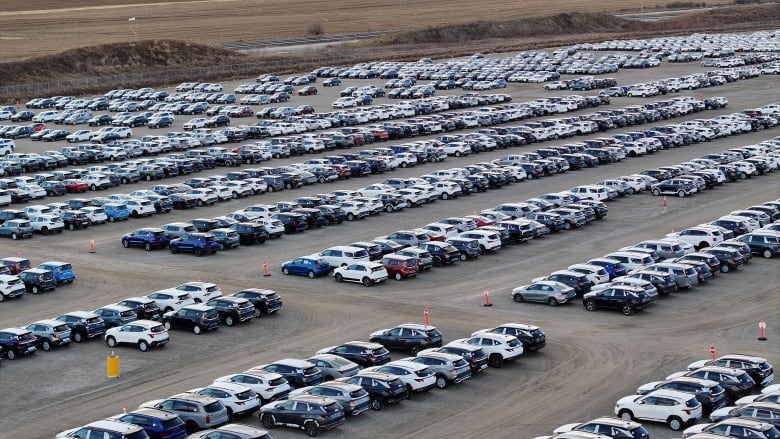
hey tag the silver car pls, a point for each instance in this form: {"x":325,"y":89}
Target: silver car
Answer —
{"x":353,"y":399}
{"x":685,"y":275}
{"x":448,"y":368}
{"x":197,"y":411}
{"x":333,"y":366}
{"x":50,"y":333}
{"x":545,"y":291}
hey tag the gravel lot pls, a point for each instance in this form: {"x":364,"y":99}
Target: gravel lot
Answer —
{"x":591,"y":359}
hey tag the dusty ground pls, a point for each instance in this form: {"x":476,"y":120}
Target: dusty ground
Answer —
{"x":41,"y":27}
{"x":591,"y":360}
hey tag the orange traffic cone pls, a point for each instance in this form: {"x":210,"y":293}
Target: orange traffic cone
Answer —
{"x":487,"y":298}
{"x":91,"y":246}
{"x":266,"y":273}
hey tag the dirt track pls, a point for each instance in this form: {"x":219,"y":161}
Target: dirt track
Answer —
{"x":591,"y":360}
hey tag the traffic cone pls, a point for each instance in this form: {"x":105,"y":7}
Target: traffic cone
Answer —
{"x":427,"y":317}
{"x":266,"y":273}
{"x":762,"y":330}
{"x":487,"y":298}
{"x":91,"y":246}
{"x":664,"y":203}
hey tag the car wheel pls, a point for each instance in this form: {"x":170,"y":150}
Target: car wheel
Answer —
{"x":414,"y":349}
{"x":338,"y":277}
{"x":376,"y":404}
{"x":221,"y":247}
{"x":197,"y":329}
{"x":34,"y":289}
{"x":496,"y":361}
{"x":93,"y":188}
{"x":111,"y":342}
{"x":626,"y":415}
{"x":441,"y":382}
{"x":198,"y":252}
{"x":457,"y":153}
{"x":552,"y":302}
{"x":350,"y":217}
{"x":681,"y":194}
{"x":143,"y":346}
{"x":267,"y":420}
{"x":767,"y":254}
{"x":724,"y":268}
{"x":174,"y":249}
{"x":675,"y":423}
{"x":630,"y":191}
{"x":518,"y":298}
{"x":11,"y":355}
{"x":78,"y":337}
{"x":229,"y":321}
{"x":366,"y":282}
{"x":167,"y":325}
{"x":566,"y":225}
{"x":409,"y":392}
{"x":44,"y":230}
{"x":191,"y":427}
{"x":46,"y":345}
{"x":312,"y":428}
{"x":398,"y":276}
{"x":14,"y":236}
{"x":111,"y":219}
{"x":627,"y":310}
{"x":656,"y":192}
{"x":590,"y":305}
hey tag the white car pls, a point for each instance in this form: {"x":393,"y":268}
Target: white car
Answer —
{"x":11,"y":286}
{"x":237,"y":398}
{"x":457,"y":149}
{"x":699,"y":237}
{"x":33,"y":190}
{"x":96,"y":215}
{"x":366,"y":273}
{"x":677,"y":409}
{"x":201,"y":292}
{"x":595,"y":273}
{"x":142,"y":333}
{"x":198,"y":122}
{"x":417,"y":377}
{"x":259,"y":211}
{"x":344,"y":102}
{"x":269,"y":386}
{"x":488,"y":241}
{"x":46,"y":224}
{"x":139,"y":207}
{"x":79,"y":136}
{"x":203,"y":196}
{"x":171,"y":300}
{"x":498,"y":347}
{"x":274,"y":227}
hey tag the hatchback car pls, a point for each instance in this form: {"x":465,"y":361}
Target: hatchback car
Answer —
{"x":309,"y":413}
{"x":545,"y":291}
{"x":676,"y":409}
{"x":142,"y":333}
{"x":409,"y":337}
{"x":307,"y":266}
{"x":63,"y":271}
{"x":366,"y":273}
{"x":50,"y":333}
{"x":15,"y":342}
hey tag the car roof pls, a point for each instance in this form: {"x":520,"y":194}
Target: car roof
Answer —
{"x":83,"y":314}
{"x":294,"y":362}
{"x":617,"y":422}
{"x":194,"y":397}
{"x":680,"y":396}
{"x":15,"y":331}
{"x":50,"y":322}
{"x":228,"y":386}
{"x":198,"y":307}
{"x":743,"y":357}
{"x":112,"y":425}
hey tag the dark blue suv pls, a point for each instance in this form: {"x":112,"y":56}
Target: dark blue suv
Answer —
{"x":198,"y":243}
{"x":158,"y":424}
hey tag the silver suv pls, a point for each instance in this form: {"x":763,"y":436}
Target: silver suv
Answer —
{"x":106,"y":428}
{"x":353,"y":398}
{"x":448,"y":368}
{"x":197,"y":411}
{"x":50,"y":333}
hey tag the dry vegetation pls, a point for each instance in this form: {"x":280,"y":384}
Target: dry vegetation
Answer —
{"x":434,"y":40}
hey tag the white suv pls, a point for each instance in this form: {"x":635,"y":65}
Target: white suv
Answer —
{"x":201,"y":292}
{"x":366,"y":273}
{"x":699,"y":237}
{"x":488,"y":240}
{"x":47,"y":224}
{"x":416,"y":376}
{"x":141,"y":333}
{"x":269,"y":385}
{"x":343,"y":255}
{"x":171,"y":300}
{"x":237,"y":398}
{"x":498,"y":347}
{"x":677,"y":409}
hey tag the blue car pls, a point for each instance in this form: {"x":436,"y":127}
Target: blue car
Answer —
{"x":148,"y":237}
{"x":198,"y":243}
{"x":116,"y":212}
{"x":307,"y":266}
{"x":613,"y":267}
{"x":63,"y":271}
{"x":16,"y":228}
{"x":157,"y":424}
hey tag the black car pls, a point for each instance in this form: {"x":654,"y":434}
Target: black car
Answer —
{"x":103,"y":119}
{"x":251,"y":233}
{"x":532,"y":337}
{"x":309,"y":413}
{"x":232,"y":309}
{"x":737,"y":382}
{"x":264,"y":301}
{"x":468,"y":247}
{"x":37,"y":280}
{"x":143,"y":307}
{"x":332,"y":214}
{"x":83,"y":325}
{"x":74,"y":219}
{"x":218,"y":121}
{"x":730,"y":259}
{"x":662,"y":281}
{"x":115,"y":315}
{"x":204,"y":224}
{"x":53,"y":188}
{"x":197,"y":318}
{"x":442,"y":253}
{"x":181,"y":201}
{"x":626,"y":299}
{"x":299,"y":373}
{"x":576,"y":280}
{"x":364,"y":354}
{"x":410,"y":337}
{"x":758,"y":368}
{"x":17,"y":341}
{"x":382,"y":388}
{"x":293,"y":222}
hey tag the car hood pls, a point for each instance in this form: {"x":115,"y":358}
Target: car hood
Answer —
{"x":722,"y":412}
{"x":647,"y":388}
{"x":378,"y":333}
{"x":698,"y":428}
{"x":697,"y":364}
{"x":565,"y":428}
{"x":676,"y":375}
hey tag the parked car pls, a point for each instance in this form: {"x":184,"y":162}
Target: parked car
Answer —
{"x":36,"y":280}
{"x":158,"y":424}
{"x":83,"y":325}
{"x":11,"y":287}
{"x":149,"y":238}
{"x":198,"y":243}
{"x":232,"y":310}
{"x":366,"y":273}
{"x":383,"y":388}
{"x":15,"y":342}
{"x":197,"y":411}
{"x":196,"y":317}
{"x":265,"y":301}
{"x":142,"y":333}
{"x":676,"y":409}
{"x":409,"y":337}
{"x":307,"y":266}
{"x":50,"y":333}
{"x":309,"y":413}
{"x":363,"y":353}
{"x":550,"y":292}
{"x":62,"y":271}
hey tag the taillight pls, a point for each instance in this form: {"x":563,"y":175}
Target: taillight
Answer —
{"x":208,"y":419}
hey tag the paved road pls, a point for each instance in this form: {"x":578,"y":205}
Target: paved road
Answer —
{"x":591,"y":360}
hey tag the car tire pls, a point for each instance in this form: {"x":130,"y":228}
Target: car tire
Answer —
{"x":552,"y":302}
{"x":518,"y":298}
{"x":414,"y":349}
{"x":366,"y":282}
{"x":285,"y":270}
{"x":111,"y":219}
{"x":409,"y":392}
{"x":338,"y":277}
{"x":627,"y":310}
{"x":44,"y":230}
{"x":198,"y":252}
{"x":389,"y":208}
{"x":767,"y":254}
{"x":11,"y":355}
{"x":566,"y":225}
{"x":35,"y":289}
{"x":111,"y":342}
{"x":675,"y":423}
{"x":376,"y":404}
{"x":724,"y":268}
{"x":312,"y":428}
{"x":350,"y":216}
{"x":441,"y":382}
{"x":167,"y":325}
{"x":681,"y":194}
{"x":626,"y":415}
{"x":78,"y":337}
{"x":656,"y":192}
{"x":197,"y":330}
{"x":229,"y":321}
{"x":143,"y":346}
{"x":268,"y":421}
{"x":398,"y":276}
{"x":46,"y":345}
{"x":14,"y":236}
{"x":496,"y":361}
{"x":590,"y":305}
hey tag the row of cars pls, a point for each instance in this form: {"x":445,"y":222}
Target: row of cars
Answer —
{"x":18,"y":276}
{"x":144,"y":321}
{"x":317,"y":393}
{"x":706,"y":387}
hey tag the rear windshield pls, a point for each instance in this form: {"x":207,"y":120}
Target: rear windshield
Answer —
{"x":171,"y":423}
{"x":211,"y":289}
{"x":127,"y":313}
{"x":378,"y":268}
{"x":332,"y":408}
{"x":210,"y":314}
{"x":433,"y":333}
{"x":380,"y":351}
{"x":61,"y":328}
{"x":460,"y":362}
{"x":310,"y":371}
{"x":361,"y":254}
{"x":358,"y":393}
{"x":158,"y":328}
{"x":691,"y":402}
{"x":246,"y":395}
{"x":27,"y":337}
{"x":94,"y":320}
{"x":214,"y":407}
{"x":277,"y":382}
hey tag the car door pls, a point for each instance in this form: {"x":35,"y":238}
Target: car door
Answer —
{"x":355,"y":272}
{"x":389,"y":340}
{"x":286,"y":412}
{"x":535,"y":292}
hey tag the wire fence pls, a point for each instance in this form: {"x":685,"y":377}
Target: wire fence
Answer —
{"x":170,"y":76}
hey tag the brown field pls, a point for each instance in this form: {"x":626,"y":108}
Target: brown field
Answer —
{"x":42,"y":27}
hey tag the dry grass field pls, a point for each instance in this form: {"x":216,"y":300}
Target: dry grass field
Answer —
{"x":41,"y":27}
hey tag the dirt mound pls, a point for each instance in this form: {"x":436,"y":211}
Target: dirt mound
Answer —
{"x":111,"y":59}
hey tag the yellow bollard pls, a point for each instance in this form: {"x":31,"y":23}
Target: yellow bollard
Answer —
{"x":112,"y":366}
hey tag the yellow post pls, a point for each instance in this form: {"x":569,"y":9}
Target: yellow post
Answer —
{"x":112,"y":365}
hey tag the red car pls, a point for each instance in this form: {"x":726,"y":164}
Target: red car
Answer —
{"x":400,"y":267}
{"x":380,"y":134}
{"x":481,"y":220}
{"x":241,"y":112}
{"x":75,"y":186}
{"x":307,"y":90}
